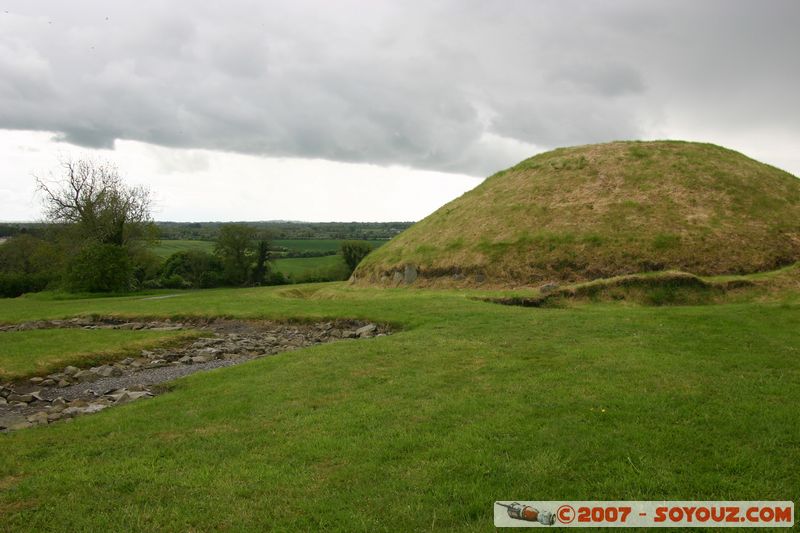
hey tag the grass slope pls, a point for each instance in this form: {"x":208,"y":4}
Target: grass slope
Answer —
{"x":598,"y":211}
{"x":468,"y":403}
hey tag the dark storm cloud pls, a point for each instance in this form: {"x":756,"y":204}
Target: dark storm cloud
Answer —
{"x":437,"y":85}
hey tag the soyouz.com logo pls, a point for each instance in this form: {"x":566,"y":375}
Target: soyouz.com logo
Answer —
{"x":643,"y":514}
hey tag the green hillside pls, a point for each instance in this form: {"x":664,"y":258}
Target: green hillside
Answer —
{"x":598,"y":211}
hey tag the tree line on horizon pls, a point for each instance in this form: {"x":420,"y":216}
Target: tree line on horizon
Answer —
{"x":208,"y":231}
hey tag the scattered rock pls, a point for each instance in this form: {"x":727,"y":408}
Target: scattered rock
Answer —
{"x":367,"y":331}
{"x":84,"y":376}
{"x":94,"y":408}
{"x":21,"y":398}
{"x":232,"y":342}
{"x":71,"y":411}
{"x":131,"y":396}
{"x":37,"y":396}
{"x":107,"y":371}
{"x":13,"y":421}
{"x":38,"y":419}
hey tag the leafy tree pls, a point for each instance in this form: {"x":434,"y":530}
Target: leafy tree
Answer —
{"x":92,"y":198}
{"x":13,"y":284}
{"x":353,"y":252}
{"x":100,"y":267}
{"x":27,"y":264}
{"x":103,"y":225}
{"x":244,"y":252}
{"x":198,"y":268}
{"x":261,"y":267}
{"x":234,"y":248}
{"x":26,"y":254}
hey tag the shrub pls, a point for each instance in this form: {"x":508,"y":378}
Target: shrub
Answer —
{"x":175,"y":281}
{"x":13,"y":285}
{"x":210,"y":279}
{"x":277,"y":278}
{"x":195,"y":267}
{"x":100,"y":268}
{"x":354,"y":251}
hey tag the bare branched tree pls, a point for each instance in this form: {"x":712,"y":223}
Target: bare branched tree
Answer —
{"x":92,"y":196}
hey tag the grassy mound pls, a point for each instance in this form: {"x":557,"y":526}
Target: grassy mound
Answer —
{"x":598,"y":211}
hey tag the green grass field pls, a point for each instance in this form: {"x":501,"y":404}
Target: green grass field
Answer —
{"x":37,"y":352}
{"x":300,"y":267}
{"x":165,"y":248}
{"x":466,"y":403}
{"x":317,"y":245}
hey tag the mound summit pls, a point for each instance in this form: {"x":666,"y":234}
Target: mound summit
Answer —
{"x":596,"y":211}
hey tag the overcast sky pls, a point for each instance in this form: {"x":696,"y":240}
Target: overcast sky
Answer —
{"x":371,"y":110}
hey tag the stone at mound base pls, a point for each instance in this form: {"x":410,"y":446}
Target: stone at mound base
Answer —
{"x":598,"y":211}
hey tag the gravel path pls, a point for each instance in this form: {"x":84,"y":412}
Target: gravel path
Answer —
{"x":145,"y":377}
{"x":232,"y":343}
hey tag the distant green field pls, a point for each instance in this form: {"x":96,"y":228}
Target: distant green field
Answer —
{"x":329,"y":266}
{"x":321,"y":245}
{"x":166,"y":248}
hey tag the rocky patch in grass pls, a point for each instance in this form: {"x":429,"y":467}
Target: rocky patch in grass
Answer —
{"x":76,"y":391}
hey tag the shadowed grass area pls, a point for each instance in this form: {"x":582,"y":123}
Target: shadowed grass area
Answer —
{"x":469,"y":402}
{"x":37,"y":352}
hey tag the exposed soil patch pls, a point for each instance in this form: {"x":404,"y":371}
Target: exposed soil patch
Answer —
{"x":75,"y":391}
